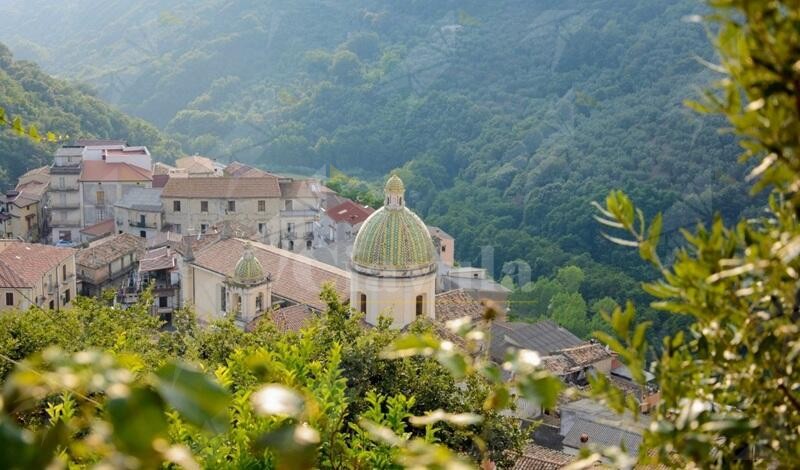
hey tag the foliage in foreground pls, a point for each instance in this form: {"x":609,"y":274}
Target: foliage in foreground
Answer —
{"x":220,"y":397}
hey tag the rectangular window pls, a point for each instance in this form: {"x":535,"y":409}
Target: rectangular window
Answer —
{"x":223,"y":301}
{"x":203,"y":206}
{"x":64,"y":272}
{"x":67,"y":298}
{"x":444,"y":248}
{"x":261,"y":228}
{"x":203,"y":228}
{"x":231,"y":206}
{"x":262,"y":206}
{"x":142,"y":234}
{"x":176,"y":206}
{"x":101,"y":198}
{"x":177,"y":228}
{"x":290,"y":227}
{"x":9,"y":298}
{"x":363,"y":303}
{"x":163,"y":302}
{"x":287,"y":204}
{"x":419,"y":305}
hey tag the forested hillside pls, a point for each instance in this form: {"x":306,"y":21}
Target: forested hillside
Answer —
{"x":506,"y":118}
{"x":66,"y":110}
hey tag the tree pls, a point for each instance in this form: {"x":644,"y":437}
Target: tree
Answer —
{"x":568,"y":309}
{"x":570,"y":277}
{"x":730,"y":388}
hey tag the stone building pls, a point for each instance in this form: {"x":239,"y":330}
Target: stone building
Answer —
{"x":139,"y":212}
{"x":192,"y":205}
{"x":393,"y":267}
{"x":36,"y":275}
{"x":106,"y":262}
{"x":22,"y":209}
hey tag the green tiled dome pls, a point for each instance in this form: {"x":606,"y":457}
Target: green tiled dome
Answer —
{"x":394,"y":238}
{"x":248,"y":270}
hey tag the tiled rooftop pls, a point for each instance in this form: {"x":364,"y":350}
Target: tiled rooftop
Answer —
{"x":535,"y":457}
{"x":106,"y":250}
{"x":223,"y":187}
{"x":349,"y":212}
{"x":98,"y":170}
{"x":24,"y":264}
{"x":294,"y":277}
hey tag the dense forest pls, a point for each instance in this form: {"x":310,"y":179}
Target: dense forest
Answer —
{"x":66,"y":110}
{"x":505,"y":119}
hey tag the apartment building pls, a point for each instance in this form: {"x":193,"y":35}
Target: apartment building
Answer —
{"x":36,"y":275}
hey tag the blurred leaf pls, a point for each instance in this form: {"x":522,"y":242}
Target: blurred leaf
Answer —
{"x":138,"y":418}
{"x":197,"y":397}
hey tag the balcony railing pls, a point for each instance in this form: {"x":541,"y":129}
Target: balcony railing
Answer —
{"x":140,"y":224}
{"x":64,"y":188}
{"x":287,"y":235}
{"x":69,"y":169}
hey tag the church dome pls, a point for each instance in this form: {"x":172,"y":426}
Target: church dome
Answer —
{"x":248,"y":270}
{"x":393,"y":241}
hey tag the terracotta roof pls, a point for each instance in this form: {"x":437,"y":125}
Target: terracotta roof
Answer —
{"x":240,"y":170}
{"x":105,"y":251}
{"x":160,"y":239}
{"x":349,"y":212}
{"x":196,"y":164}
{"x":294,"y":277}
{"x":292,"y":318}
{"x":98,"y":170}
{"x":455,"y":304}
{"x":301,"y":188}
{"x":536,"y":457}
{"x":40,"y":175}
{"x":586,"y":354}
{"x":558,"y":364}
{"x":24,"y":264}
{"x":159,"y":181}
{"x":439,"y":233}
{"x":223,"y":187}
{"x":100,"y":229}
{"x":162,"y":169}
{"x":157,"y":260}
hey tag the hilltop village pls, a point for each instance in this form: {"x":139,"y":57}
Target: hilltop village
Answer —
{"x":231,"y":239}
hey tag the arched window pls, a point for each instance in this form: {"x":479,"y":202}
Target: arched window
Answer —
{"x":364,"y":303}
{"x":420,"y":305}
{"x":259,"y":302}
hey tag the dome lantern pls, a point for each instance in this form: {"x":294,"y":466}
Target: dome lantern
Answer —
{"x":395,"y":191}
{"x":248,"y":269}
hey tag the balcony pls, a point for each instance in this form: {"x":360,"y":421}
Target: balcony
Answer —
{"x":286,"y":235}
{"x":64,"y":188}
{"x":56,"y":205}
{"x":68,"y":169}
{"x":140,"y":224}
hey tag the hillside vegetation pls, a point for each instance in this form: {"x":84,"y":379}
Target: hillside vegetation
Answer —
{"x":505,"y":119}
{"x":66,"y":110}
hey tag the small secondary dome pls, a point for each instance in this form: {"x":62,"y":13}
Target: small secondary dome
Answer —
{"x":393,"y":241}
{"x":248,"y":270}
